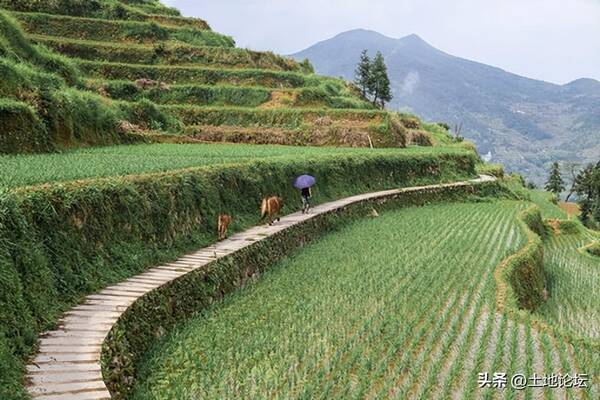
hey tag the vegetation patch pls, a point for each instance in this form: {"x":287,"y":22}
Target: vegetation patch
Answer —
{"x":202,"y":75}
{"x":107,"y":9}
{"x":331,"y":134}
{"x":59,"y":242}
{"x":113,"y":161}
{"x":572,"y":268}
{"x":496,"y":170}
{"x":137,"y":329}
{"x":593,"y":249}
{"x":119,"y":31}
{"x":283,"y":117}
{"x":22,"y":130}
{"x":520,"y":278}
{"x":166,"y":53}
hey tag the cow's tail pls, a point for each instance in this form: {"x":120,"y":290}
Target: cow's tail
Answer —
{"x":264,"y":209}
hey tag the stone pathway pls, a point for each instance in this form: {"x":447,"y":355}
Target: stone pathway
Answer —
{"x":67,"y":366}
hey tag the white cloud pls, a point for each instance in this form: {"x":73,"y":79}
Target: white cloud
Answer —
{"x":410,"y":83}
{"x":552,"y":40}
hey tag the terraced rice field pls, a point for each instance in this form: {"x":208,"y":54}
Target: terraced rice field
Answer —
{"x":575,"y":284}
{"x":574,"y":275}
{"x":23,"y":170}
{"x":401,"y":306}
{"x":191,"y":79}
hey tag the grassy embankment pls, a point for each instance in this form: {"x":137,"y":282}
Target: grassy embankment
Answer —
{"x":410,"y":313}
{"x":59,"y":242}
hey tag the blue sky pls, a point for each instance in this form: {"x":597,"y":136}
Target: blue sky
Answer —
{"x":552,"y":40}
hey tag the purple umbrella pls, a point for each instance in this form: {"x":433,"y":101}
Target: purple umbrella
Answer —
{"x":304,"y":181}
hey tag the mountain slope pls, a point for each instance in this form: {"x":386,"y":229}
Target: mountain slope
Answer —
{"x":524,"y":123}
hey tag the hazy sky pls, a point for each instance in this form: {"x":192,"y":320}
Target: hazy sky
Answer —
{"x":552,"y":40}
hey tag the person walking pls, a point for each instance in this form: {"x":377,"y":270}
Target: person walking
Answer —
{"x":306,"y":193}
{"x":304,"y":183}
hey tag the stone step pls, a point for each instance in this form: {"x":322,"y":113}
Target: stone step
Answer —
{"x":103,"y":395}
{"x":66,"y":357}
{"x":47,"y":348}
{"x":62,"y":341}
{"x":71,"y":388}
{"x":69,"y":377}
{"x":63,"y":367}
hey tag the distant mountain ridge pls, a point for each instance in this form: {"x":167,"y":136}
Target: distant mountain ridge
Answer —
{"x":524,"y":123}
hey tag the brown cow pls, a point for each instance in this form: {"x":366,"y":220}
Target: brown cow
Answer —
{"x":271,"y":206}
{"x":222,"y":225}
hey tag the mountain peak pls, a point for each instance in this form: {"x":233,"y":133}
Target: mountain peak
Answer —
{"x":584,"y":82}
{"x":584,"y":85}
{"x":414,"y":38}
{"x":361,"y":32}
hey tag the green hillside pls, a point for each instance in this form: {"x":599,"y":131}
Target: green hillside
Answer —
{"x":84,"y":73}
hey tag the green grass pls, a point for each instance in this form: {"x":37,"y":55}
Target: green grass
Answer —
{"x":547,"y":204}
{"x":60,"y":242}
{"x":391,"y":307}
{"x":573,"y":275}
{"x":202,"y":75}
{"x":166,"y":53}
{"x":108,"y":9}
{"x":288,"y":117}
{"x":22,"y":170}
{"x":573,"y":306}
{"x":324,"y":95}
{"x":118,"y":31}
{"x":197,"y":95}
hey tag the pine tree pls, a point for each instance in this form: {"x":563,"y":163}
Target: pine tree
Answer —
{"x":380,"y":82}
{"x":362,"y":74}
{"x":555,"y":182}
{"x":585,"y":193}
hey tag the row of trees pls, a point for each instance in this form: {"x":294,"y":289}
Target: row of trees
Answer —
{"x":372,"y":78}
{"x":585,"y":183}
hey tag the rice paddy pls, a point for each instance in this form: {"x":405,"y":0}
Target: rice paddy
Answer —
{"x":401,"y":306}
{"x":574,"y":275}
{"x":24,"y":170}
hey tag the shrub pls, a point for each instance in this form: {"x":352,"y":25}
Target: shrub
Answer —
{"x":444,"y":126}
{"x":594,"y":249}
{"x":307,"y":67}
{"x":173,"y":53}
{"x":569,"y":227}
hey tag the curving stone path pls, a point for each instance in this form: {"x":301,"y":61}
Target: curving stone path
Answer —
{"x":67,"y":366}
